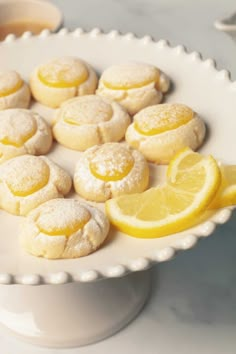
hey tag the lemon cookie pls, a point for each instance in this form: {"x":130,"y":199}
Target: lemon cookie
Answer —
{"x":109,"y":170}
{"x":89,"y":120}
{"x":14,"y":92}
{"x":63,"y":228}
{"x":160,"y":131}
{"x":23,"y":132}
{"x":27,"y":181}
{"x":133,"y":85}
{"x":60,"y":79}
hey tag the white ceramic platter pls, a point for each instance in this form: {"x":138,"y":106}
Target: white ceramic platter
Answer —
{"x":195,"y":82}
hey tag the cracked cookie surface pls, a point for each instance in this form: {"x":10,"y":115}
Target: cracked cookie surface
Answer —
{"x":109,"y":170}
{"x":23,"y":132}
{"x":160,"y":131}
{"x":14,"y":92}
{"x":63,"y":228}
{"x":134,"y":85}
{"x":89,"y":120}
{"x":27,"y":181}
{"x":60,"y":79}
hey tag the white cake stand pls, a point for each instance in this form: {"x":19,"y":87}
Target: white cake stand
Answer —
{"x":80,"y":301}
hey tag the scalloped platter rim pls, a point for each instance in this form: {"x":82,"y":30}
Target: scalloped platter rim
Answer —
{"x":196,"y":82}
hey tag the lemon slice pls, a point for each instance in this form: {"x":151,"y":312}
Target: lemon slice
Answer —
{"x":226,"y":194}
{"x":192,"y":183}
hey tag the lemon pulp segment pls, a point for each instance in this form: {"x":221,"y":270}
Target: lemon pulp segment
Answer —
{"x":166,"y":196}
{"x":229,"y":174}
{"x":162,"y":118}
{"x":226,"y":195}
{"x":111,"y":164}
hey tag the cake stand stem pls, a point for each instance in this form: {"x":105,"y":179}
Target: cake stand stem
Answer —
{"x":74,"y":314}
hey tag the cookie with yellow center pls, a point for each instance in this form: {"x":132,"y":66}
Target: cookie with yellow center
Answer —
{"x":27,"y":181}
{"x":133,"y":85}
{"x":14,"y":92}
{"x":61,"y":79}
{"x":63,"y":228}
{"x":109,"y":170}
{"x":89,"y":120}
{"x":161,"y":130}
{"x":23,"y":132}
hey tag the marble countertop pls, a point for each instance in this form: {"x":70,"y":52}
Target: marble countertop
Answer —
{"x":192,"y":308}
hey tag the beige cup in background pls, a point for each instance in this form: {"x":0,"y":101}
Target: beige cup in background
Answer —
{"x":18,"y":16}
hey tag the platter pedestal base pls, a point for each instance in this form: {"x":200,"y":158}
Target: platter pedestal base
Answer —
{"x":74,"y":314}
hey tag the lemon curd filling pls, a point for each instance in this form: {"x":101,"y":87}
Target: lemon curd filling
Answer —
{"x":111,"y":163}
{"x":23,"y":181}
{"x":62,"y":221}
{"x":16,"y":132}
{"x":159,"y":119}
{"x":72,"y":120}
{"x":131,"y":77}
{"x":11,"y":85}
{"x":63,"y":74}
{"x":128,"y":86}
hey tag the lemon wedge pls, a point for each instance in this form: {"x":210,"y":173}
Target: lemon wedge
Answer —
{"x":226,"y":194}
{"x":192,"y":182}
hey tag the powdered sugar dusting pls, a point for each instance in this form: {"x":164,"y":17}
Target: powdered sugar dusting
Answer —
{"x":27,"y":181}
{"x":92,"y":186}
{"x":62,"y":216}
{"x":16,"y":126}
{"x":130,"y":75}
{"x":9,"y":80}
{"x":64,"y":228}
{"x":66,"y":69}
{"x":163,"y":117}
{"x":89,"y":109}
{"x":25,"y":174}
{"x":112,"y":160}
{"x":85,"y":183}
